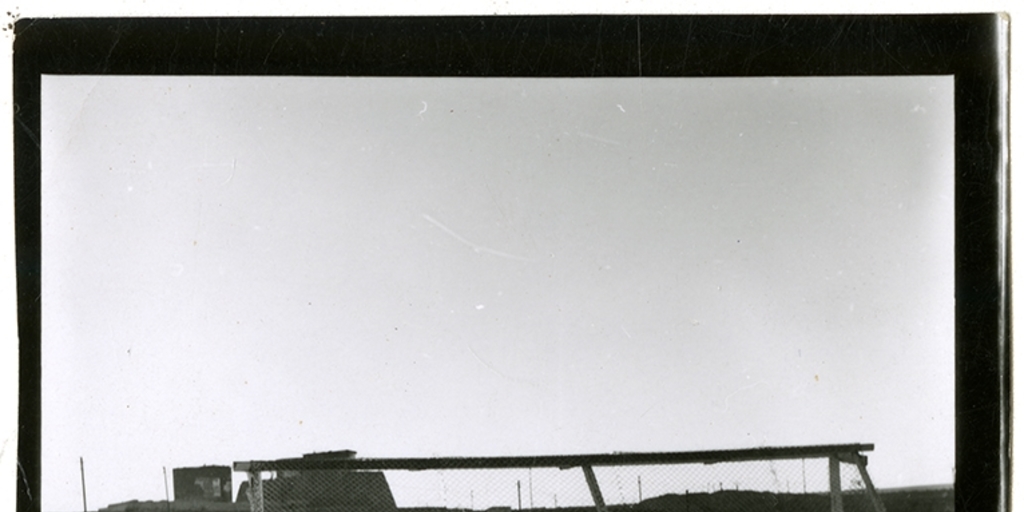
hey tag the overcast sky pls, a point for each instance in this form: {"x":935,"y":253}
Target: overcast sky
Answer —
{"x":254,"y":268}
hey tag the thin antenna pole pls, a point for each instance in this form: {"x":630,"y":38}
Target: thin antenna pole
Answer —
{"x":81,"y":467}
{"x":167,"y":493}
{"x":519,"y":493}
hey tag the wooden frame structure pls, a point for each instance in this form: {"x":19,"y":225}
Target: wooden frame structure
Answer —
{"x":848,"y":453}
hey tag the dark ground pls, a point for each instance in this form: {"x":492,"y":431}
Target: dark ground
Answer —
{"x":933,"y":499}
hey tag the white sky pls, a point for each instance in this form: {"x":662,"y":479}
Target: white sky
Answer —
{"x":242,"y":268}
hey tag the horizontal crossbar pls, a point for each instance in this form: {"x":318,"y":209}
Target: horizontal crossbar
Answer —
{"x":556,"y":461}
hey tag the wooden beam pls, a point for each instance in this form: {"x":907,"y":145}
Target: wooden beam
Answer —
{"x":556,"y":461}
{"x":848,"y":457}
{"x":595,"y":490}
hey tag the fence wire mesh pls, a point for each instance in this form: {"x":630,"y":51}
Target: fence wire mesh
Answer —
{"x":790,"y":485}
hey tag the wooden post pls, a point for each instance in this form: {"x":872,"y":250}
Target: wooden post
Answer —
{"x":872,"y":493}
{"x":255,"y":491}
{"x":835,"y":484}
{"x":595,"y":490}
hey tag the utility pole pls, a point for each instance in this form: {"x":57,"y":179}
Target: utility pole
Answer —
{"x":167,"y":494}
{"x":81,"y":467}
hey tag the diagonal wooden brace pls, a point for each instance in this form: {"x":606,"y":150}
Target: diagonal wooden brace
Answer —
{"x":862,"y":463}
{"x":595,"y":490}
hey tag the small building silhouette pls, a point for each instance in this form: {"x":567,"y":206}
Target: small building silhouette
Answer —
{"x":206,"y":483}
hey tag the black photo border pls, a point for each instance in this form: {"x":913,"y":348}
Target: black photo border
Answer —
{"x":962,"y":45}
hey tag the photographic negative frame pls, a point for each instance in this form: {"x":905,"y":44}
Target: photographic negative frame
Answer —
{"x":616,"y":46}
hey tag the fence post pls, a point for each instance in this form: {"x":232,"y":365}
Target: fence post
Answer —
{"x":519,"y":493}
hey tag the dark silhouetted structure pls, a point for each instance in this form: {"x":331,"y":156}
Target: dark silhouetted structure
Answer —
{"x":207,"y":483}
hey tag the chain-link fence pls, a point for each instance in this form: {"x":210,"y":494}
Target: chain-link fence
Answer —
{"x":801,"y":479}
